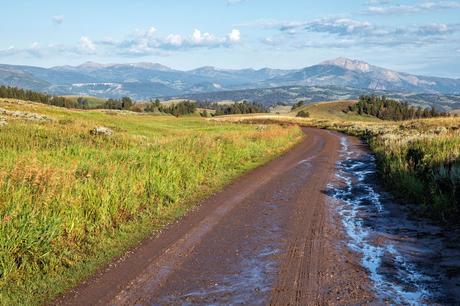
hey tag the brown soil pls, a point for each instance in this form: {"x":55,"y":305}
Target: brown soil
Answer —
{"x":268,"y":238}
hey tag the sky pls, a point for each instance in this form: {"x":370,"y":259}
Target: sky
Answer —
{"x":421,"y":37}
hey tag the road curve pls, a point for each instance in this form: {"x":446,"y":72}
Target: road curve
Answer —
{"x":270,"y":237}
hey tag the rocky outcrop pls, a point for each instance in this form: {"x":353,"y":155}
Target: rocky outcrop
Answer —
{"x":101,"y":130}
{"x":24,"y":115}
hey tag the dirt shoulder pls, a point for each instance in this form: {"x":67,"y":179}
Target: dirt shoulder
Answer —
{"x":268,"y":238}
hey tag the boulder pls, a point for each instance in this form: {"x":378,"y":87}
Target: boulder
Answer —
{"x":101,"y":130}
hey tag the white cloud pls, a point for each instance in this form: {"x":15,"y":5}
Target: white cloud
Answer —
{"x":434,"y":29}
{"x":138,"y":43}
{"x":411,"y":9}
{"x":234,"y":36}
{"x":150,"y":32}
{"x":87,"y":44}
{"x":202,"y":39}
{"x":174,"y":40}
{"x":341,"y":26}
{"x":346,"y":32}
{"x":8,"y":51}
{"x":58,"y":19}
{"x":196,"y":36}
{"x":148,"y":42}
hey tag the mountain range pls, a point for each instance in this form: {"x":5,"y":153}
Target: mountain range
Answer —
{"x":147,"y":80}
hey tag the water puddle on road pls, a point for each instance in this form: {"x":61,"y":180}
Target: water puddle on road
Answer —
{"x":409,"y":261}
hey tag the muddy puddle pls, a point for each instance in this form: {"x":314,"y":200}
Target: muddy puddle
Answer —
{"x":409,"y":261}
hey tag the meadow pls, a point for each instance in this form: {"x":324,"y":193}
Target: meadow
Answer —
{"x":419,"y":160}
{"x":71,"y":201}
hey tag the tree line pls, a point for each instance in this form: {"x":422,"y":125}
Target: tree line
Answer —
{"x":30,"y":95}
{"x":240,"y":108}
{"x":387,"y":109}
{"x":126,"y":103}
{"x":179,"y":109}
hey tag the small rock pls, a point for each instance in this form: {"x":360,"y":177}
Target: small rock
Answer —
{"x":3,"y":122}
{"x":101,"y":130}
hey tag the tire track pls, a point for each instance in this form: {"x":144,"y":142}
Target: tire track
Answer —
{"x":267,"y":238}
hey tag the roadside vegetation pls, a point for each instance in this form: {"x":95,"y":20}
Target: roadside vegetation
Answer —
{"x":71,"y":200}
{"x":387,"y":109}
{"x":419,"y":159}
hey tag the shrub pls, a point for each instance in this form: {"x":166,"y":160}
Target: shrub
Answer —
{"x":303,"y":114}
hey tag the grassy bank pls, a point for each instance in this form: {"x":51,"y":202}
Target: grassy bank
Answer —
{"x":419,"y":160}
{"x":70,"y":201}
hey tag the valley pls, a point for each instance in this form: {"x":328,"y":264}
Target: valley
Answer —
{"x":337,"y":79}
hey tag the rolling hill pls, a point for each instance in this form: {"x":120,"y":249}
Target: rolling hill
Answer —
{"x":309,"y":94}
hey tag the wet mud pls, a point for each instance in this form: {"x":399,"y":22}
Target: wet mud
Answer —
{"x":409,"y":260}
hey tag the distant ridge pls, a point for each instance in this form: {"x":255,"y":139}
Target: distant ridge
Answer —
{"x":144,"y":80}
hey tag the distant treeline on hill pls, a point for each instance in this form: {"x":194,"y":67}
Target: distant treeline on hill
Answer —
{"x":126,"y":103}
{"x":387,"y":109}
{"x":68,"y":102}
{"x":179,"y":109}
{"x":244,"y":107}
{"x":29,"y":95}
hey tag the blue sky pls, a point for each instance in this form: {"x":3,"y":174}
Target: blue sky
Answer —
{"x":420,"y":37}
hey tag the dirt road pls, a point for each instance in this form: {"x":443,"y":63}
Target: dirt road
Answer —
{"x":268,"y":238}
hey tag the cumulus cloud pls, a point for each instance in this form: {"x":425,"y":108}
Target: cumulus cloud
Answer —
{"x":87,"y":44}
{"x":411,"y":9}
{"x":234,"y":36}
{"x":138,"y":43}
{"x":148,"y":42}
{"x":150,"y":32}
{"x":58,"y":19}
{"x":174,"y":40}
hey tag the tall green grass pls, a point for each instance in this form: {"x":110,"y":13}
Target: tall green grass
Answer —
{"x":419,"y":161}
{"x":70,"y":201}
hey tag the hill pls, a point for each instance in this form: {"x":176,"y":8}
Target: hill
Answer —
{"x":310,"y":94}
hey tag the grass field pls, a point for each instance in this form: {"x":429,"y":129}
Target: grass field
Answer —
{"x":70,"y":201}
{"x":418,"y":159}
